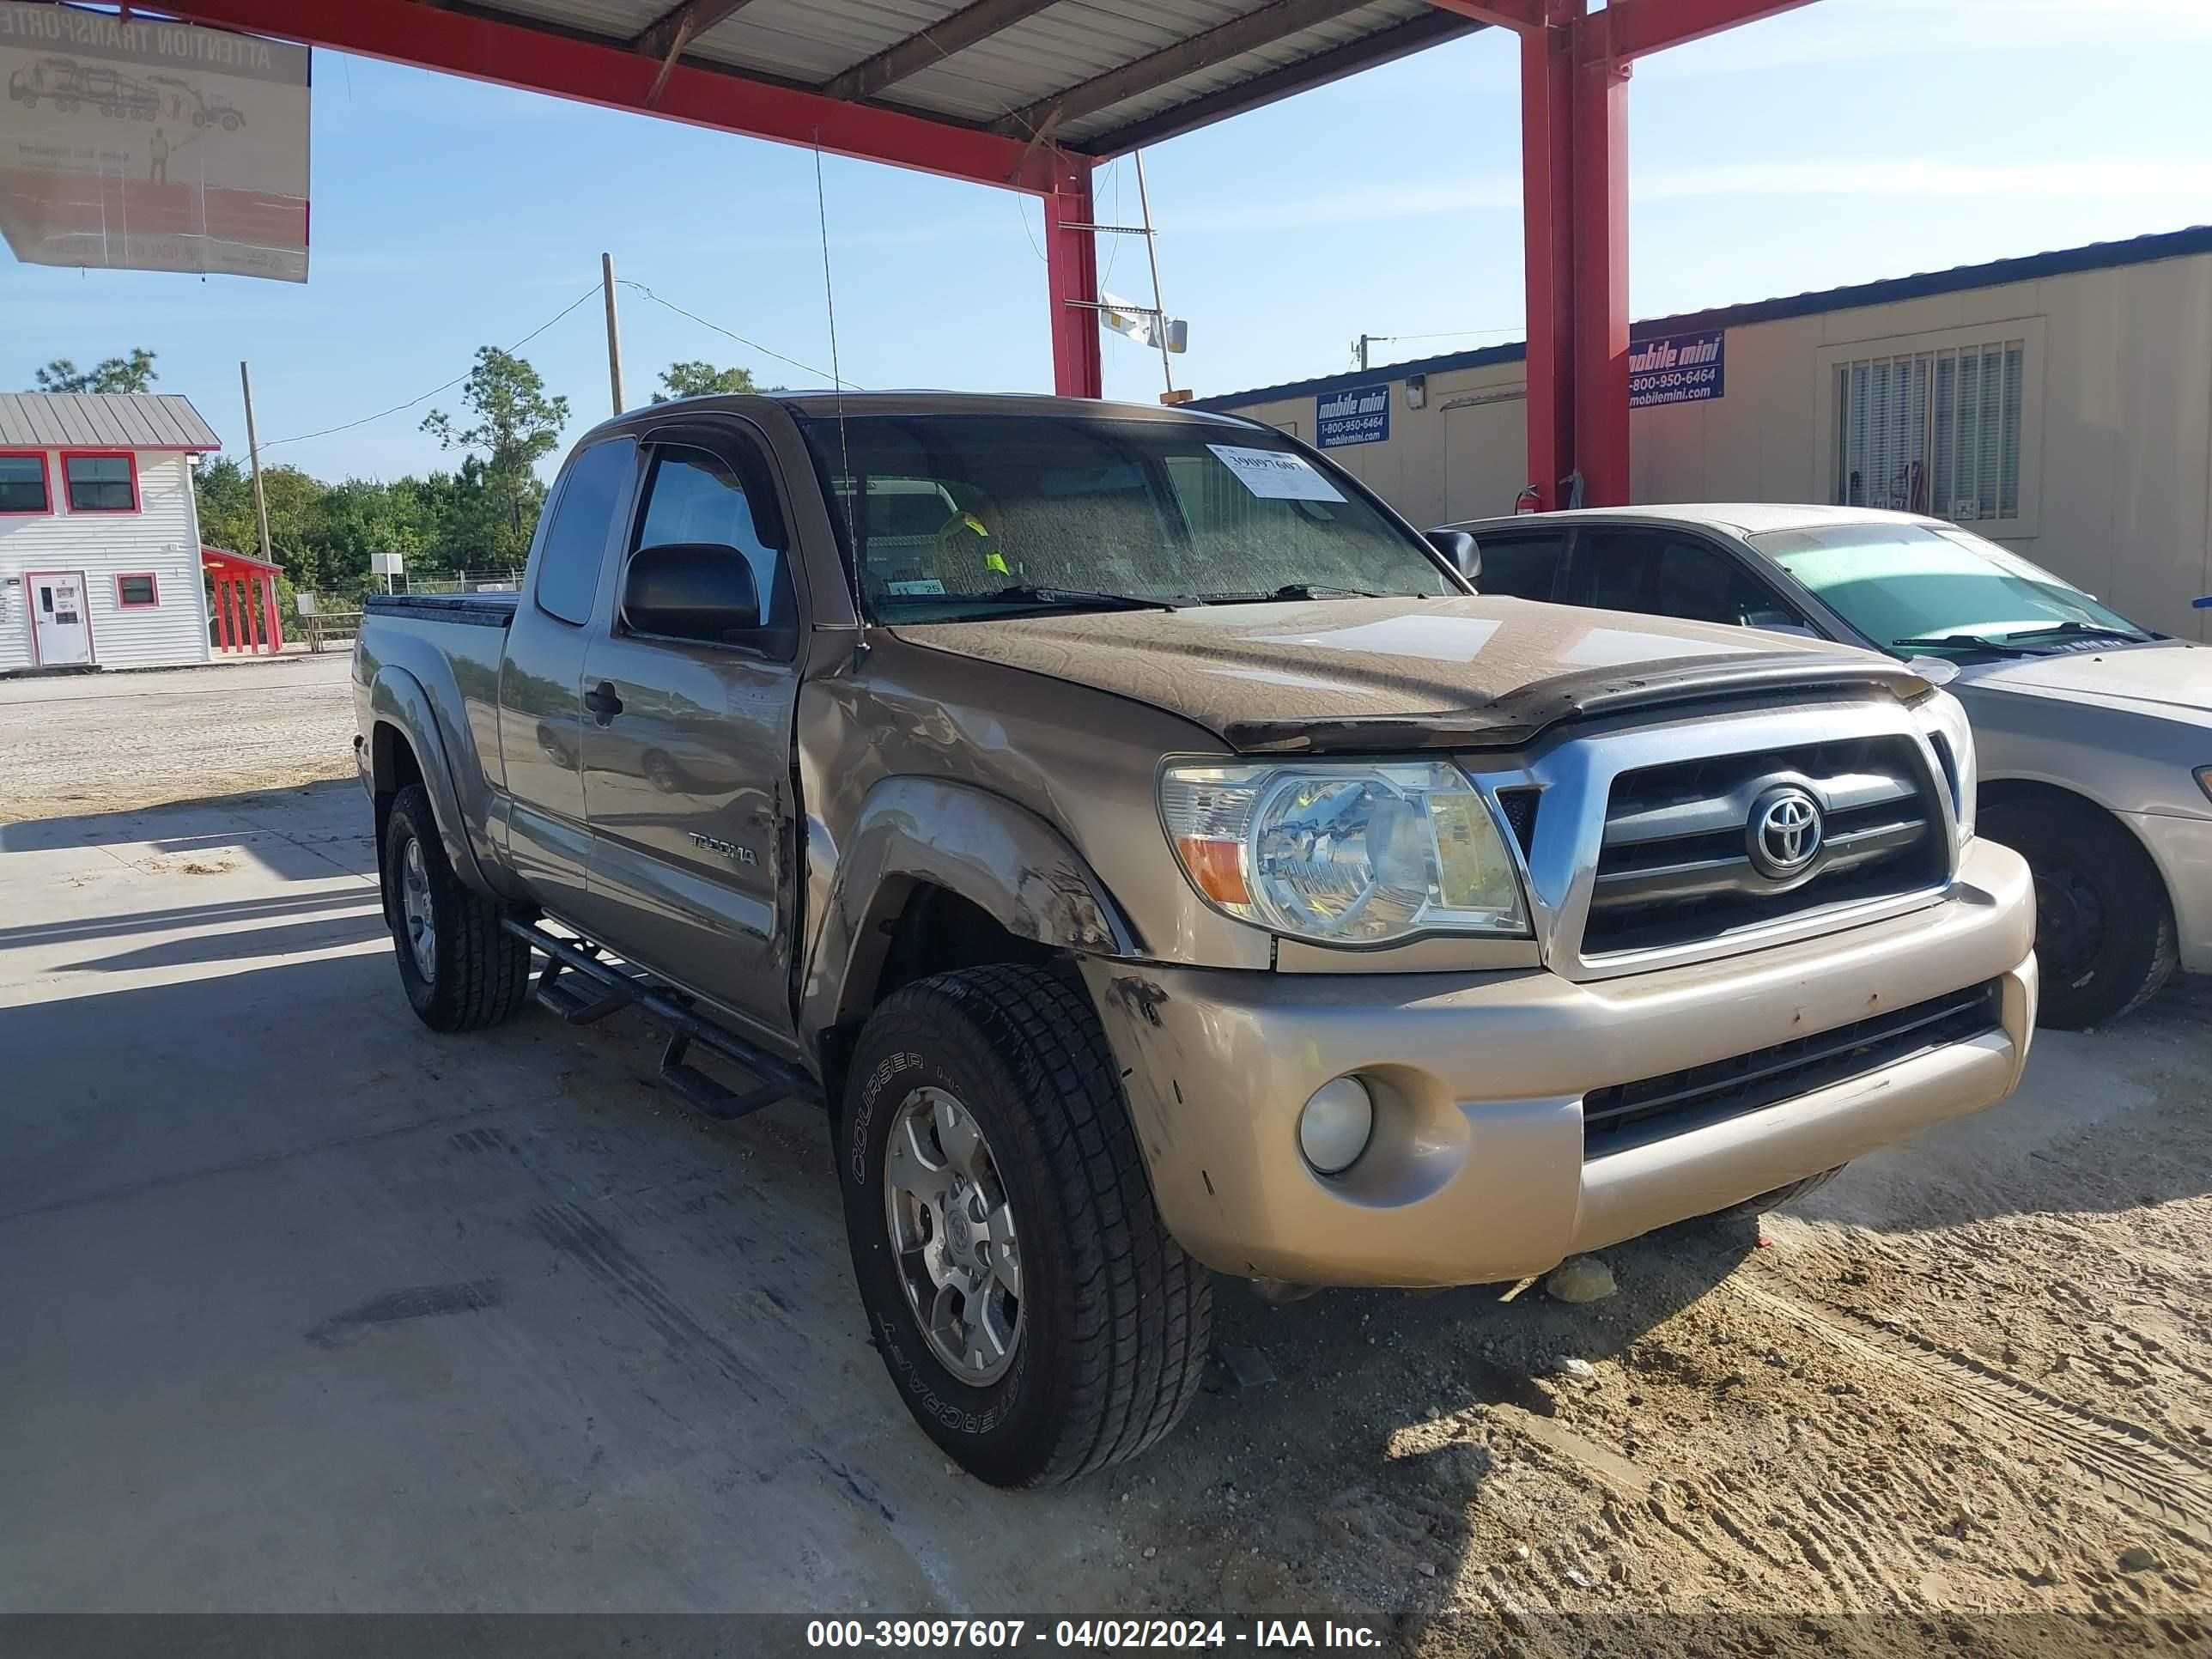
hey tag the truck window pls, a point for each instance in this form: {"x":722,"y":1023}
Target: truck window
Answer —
{"x":962,"y":509}
{"x":693,"y":495}
{"x":575,"y":544}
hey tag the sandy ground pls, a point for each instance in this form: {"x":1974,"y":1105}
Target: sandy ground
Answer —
{"x":93,"y":743}
{"x":1960,"y":1400}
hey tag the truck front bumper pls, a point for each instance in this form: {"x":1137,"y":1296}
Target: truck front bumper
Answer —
{"x":1476,"y":1172}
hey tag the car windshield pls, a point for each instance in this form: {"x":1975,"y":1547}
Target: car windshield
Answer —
{"x":994,"y":515}
{"x":1916,"y":588}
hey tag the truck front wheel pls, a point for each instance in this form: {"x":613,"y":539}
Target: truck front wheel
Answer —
{"x":461,"y":968}
{"x":1034,"y":1314}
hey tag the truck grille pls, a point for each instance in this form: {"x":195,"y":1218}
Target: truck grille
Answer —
{"x":1635,"y":1114}
{"x":1678,"y":861}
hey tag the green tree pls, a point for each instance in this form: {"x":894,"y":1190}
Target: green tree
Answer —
{"x":517,"y":424}
{"x":133,"y":373}
{"x":695,"y":379}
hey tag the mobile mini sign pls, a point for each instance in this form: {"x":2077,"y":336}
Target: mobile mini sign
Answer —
{"x":1677,"y":369}
{"x":1358,"y":414}
{"x":144,"y":145}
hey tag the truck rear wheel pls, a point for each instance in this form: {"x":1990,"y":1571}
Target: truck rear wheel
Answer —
{"x":1036,"y":1315}
{"x":461,"y":968}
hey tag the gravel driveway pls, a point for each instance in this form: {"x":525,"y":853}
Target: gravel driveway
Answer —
{"x":92,"y":743}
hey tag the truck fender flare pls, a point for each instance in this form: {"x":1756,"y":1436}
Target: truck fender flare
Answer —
{"x":397,"y":700}
{"x":1000,"y":857}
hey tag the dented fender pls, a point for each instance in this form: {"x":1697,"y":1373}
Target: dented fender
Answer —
{"x":1002,"y":857}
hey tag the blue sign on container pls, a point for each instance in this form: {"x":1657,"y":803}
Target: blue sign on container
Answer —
{"x":1357,"y":415}
{"x":1677,"y":369}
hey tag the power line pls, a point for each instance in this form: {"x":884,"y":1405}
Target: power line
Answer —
{"x":751,"y":346}
{"x":1451,"y":333}
{"x":303,"y":437}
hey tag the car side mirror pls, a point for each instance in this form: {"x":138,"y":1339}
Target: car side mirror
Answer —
{"x":690,"y":590}
{"x":1460,"y":552}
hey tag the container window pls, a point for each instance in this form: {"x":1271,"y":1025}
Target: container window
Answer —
{"x":135,"y":592}
{"x":101,"y":483}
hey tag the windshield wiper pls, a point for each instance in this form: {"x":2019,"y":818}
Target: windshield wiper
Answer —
{"x":1958,"y":642}
{"x":1298,"y":591}
{"x":2079,"y":629}
{"x":1066,"y":597}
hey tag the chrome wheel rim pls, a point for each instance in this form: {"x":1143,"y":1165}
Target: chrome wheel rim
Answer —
{"x":952,"y":1237}
{"x":415,"y":906}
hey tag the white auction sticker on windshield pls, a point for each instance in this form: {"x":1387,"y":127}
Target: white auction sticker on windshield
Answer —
{"x":1276,"y":474}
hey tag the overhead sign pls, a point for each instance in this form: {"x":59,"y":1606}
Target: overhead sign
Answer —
{"x":1359,"y":415}
{"x":1678,"y":368}
{"x":151,"y":146}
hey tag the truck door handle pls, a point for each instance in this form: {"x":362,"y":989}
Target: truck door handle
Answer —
{"x":603,"y":701}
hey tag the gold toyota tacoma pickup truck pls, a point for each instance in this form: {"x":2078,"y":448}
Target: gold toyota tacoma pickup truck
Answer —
{"x":1158,"y":858}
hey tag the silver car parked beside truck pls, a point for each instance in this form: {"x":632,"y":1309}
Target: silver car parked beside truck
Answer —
{"x":2094,"y":732}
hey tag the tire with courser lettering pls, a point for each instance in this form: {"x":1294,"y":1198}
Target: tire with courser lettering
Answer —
{"x":1032,"y":1310}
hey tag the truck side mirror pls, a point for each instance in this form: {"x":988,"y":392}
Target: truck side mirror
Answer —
{"x":1461,"y":552}
{"x":690,"y":590}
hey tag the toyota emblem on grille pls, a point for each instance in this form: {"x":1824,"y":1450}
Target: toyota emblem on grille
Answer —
{"x":1784,"y":835}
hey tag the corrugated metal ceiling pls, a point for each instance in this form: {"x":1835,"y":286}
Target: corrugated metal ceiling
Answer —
{"x":1013,"y":77}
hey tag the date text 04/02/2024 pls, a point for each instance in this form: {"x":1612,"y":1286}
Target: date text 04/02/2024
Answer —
{"x":1068,"y":1635}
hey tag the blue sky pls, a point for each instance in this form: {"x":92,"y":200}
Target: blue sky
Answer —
{"x":1849,"y":140}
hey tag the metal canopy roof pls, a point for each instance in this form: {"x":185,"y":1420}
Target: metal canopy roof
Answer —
{"x":102,"y":420}
{"x":1095,"y":76}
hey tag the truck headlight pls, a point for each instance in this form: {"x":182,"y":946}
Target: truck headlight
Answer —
{"x":1943,"y":718}
{"x":1355,"y":853}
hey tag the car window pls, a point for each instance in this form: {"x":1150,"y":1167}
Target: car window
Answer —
{"x":694,"y":495}
{"x":1520,"y":566}
{"x":1664,"y":573}
{"x":1907,"y":582}
{"x":576,"y":544}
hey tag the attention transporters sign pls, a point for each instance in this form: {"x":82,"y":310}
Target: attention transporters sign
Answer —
{"x":151,"y":146}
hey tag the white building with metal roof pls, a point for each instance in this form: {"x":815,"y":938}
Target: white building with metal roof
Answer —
{"x":100,"y":538}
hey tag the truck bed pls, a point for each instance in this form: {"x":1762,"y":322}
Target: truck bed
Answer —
{"x":477,"y":610}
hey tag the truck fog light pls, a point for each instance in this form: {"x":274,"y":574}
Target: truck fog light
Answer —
{"x":1334,"y":1129}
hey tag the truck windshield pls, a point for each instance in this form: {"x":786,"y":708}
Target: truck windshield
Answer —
{"x":962,"y":516}
{"x":1914,"y":588}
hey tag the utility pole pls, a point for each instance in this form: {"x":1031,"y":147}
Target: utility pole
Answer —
{"x":254,"y":449}
{"x":614,"y":335}
{"x":1362,"y":347}
{"x":1152,"y":253}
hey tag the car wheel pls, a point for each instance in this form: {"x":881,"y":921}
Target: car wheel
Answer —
{"x":1032,"y":1310}
{"x":1775,"y":1200}
{"x":461,"y":968}
{"x":2103,"y":929}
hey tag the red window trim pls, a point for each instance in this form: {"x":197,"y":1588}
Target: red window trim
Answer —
{"x":122,"y":576}
{"x":69,"y":455}
{"x":45,"y":478}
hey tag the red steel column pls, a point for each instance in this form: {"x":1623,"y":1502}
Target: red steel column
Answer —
{"x":1600,"y":187}
{"x":1547,"y":80}
{"x":1071,"y":259}
{"x":269,"y":615}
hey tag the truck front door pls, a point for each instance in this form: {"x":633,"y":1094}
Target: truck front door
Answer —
{"x":687,"y":747}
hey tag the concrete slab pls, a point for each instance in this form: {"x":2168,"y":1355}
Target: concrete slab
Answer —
{"x":303,"y":1307}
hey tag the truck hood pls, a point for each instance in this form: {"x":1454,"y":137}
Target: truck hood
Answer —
{"x":1340,"y":674}
{"x":2170,"y":675}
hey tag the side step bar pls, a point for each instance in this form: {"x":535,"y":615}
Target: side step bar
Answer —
{"x":606,"y":989}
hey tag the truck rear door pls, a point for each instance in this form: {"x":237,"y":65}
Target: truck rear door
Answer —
{"x":540,"y":719}
{"x":687,"y":745}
